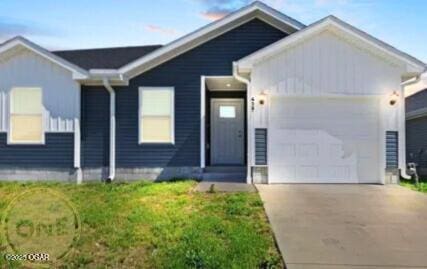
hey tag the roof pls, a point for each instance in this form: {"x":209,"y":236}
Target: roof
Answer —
{"x":105,"y":58}
{"x":210,"y":31}
{"x":413,"y":64}
{"x":78,"y":72}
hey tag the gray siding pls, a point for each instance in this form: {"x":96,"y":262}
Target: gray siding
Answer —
{"x":416,"y":132}
{"x":260,"y":146}
{"x":58,"y":152}
{"x":95,"y":125}
{"x":392,"y":150}
{"x":416,"y":141}
{"x":183,"y":72}
{"x":416,"y":101}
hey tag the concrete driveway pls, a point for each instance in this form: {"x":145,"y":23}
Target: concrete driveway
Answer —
{"x":348,"y":226}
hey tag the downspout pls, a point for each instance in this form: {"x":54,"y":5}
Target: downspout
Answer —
{"x":249,"y":123}
{"x":402,"y":126}
{"x":112,"y":161}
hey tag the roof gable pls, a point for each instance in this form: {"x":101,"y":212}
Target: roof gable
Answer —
{"x":77,"y":72}
{"x":210,"y":31}
{"x":339,"y":27}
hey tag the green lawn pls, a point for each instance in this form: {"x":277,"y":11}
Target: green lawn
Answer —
{"x":422,"y":186}
{"x":162,"y":225}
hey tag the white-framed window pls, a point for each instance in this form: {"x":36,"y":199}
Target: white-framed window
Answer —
{"x":26,"y":116}
{"x":156,"y":115}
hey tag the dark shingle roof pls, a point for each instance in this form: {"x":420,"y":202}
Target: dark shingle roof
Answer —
{"x":106,"y":58}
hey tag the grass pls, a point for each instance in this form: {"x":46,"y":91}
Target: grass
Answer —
{"x":421,"y":187}
{"x":162,"y":225}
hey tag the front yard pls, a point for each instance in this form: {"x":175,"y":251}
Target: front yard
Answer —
{"x":422,"y":186}
{"x":161,"y":225}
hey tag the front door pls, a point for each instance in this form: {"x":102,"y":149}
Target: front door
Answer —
{"x":227,"y":132}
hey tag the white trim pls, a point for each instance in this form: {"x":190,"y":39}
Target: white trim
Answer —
{"x":77,"y":135}
{"x":245,"y":64}
{"x":172,"y":109}
{"x":112,"y":166}
{"x":402,"y":134}
{"x":9,"y":115}
{"x":183,"y":44}
{"x":202,"y":122}
{"x":78,"y":73}
{"x":382,"y":154}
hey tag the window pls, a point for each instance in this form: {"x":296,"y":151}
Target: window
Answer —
{"x":26,"y":116}
{"x":156,"y":117}
{"x":227,"y":112}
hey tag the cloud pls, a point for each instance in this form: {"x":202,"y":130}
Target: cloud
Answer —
{"x":12,"y":27}
{"x":216,"y":9}
{"x":161,"y":30}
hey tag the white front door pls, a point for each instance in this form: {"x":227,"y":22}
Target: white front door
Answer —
{"x":324,"y":140}
{"x":227,"y":132}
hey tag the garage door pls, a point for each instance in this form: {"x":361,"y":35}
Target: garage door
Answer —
{"x":324,"y":140}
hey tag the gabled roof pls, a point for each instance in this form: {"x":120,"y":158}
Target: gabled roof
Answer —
{"x":210,"y":31}
{"x":105,"y":58}
{"x":413,"y":65}
{"x":78,"y":73}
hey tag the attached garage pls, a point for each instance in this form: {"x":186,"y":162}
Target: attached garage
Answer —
{"x":330,"y":100}
{"x":324,"y":140}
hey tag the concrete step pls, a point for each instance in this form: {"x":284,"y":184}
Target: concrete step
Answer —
{"x":225,"y":177}
{"x":225,"y":169}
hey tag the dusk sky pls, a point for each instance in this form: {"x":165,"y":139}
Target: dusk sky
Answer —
{"x":85,"y":24}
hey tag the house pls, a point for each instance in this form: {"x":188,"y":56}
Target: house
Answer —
{"x":416,"y":123}
{"x":255,"y":96}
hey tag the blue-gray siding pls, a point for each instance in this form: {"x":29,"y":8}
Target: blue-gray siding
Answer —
{"x":95,"y":122}
{"x":416,"y":132}
{"x":416,"y":101}
{"x":416,"y":142}
{"x":58,"y":152}
{"x":214,"y":57}
{"x":392,"y":150}
{"x":260,"y":146}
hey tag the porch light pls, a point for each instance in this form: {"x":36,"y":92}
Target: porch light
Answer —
{"x":393,"y":98}
{"x":262,"y":98}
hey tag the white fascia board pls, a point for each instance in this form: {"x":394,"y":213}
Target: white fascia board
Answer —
{"x":187,"y":39}
{"x":78,"y":73}
{"x":413,"y":65}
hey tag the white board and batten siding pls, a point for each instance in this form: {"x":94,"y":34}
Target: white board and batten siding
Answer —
{"x":61,"y":94}
{"x":327,"y":110}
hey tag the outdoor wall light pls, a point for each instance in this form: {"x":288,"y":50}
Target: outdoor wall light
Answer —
{"x":393,"y":98}
{"x":262,"y":98}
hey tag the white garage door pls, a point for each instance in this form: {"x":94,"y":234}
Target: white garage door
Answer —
{"x":324,"y":140}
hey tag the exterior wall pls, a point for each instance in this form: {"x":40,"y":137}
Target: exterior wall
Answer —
{"x":213,"y":58}
{"x":327,"y":65}
{"x":417,"y":101}
{"x":61,"y":98}
{"x":61,"y":102}
{"x":53,"y":161}
{"x":416,"y":133}
{"x":95,"y":125}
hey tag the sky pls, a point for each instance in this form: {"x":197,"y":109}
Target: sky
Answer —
{"x":61,"y":25}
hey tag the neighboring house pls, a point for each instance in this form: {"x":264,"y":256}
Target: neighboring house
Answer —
{"x":256,"y":96}
{"x":416,"y":123}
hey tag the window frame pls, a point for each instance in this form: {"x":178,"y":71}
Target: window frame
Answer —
{"x":10,"y":140}
{"x":140,"y":115}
